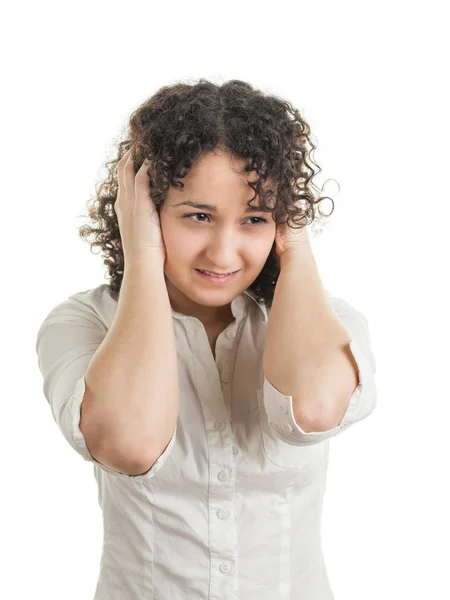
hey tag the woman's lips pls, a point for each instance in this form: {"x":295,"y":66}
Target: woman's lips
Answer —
{"x":217,"y":280}
{"x":214,"y":272}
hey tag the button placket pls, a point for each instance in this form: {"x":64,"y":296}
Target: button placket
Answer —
{"x":226,"y":374}
{"x":226,"y":567}
{"x":222,"y":476}
{"x":223,"y":534}
{"x":225,"y":377}
{"x":231,"y":333}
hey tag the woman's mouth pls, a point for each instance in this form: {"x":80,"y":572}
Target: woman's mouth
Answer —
{"x":217,"y":279}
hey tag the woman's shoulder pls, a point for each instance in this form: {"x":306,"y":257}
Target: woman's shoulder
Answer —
{"x":93,"y":296}
{"x":95,"y":305}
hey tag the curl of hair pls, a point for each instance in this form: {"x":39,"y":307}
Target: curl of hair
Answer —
{"x":178,"y":124}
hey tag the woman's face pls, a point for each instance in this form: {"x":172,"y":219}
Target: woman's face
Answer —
{"x":220,"y":239}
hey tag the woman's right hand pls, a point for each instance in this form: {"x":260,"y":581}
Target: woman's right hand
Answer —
{"x":139,"y":224}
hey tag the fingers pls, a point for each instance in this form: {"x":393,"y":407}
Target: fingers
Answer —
{"x":126,"y":179}
{"x":132,"y":184}
{"x":141,"y":183}
{"x":143,"y":168}
{"x":126,"y":163}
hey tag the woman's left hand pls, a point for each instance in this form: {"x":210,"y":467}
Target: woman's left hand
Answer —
{"x":289,"y":240}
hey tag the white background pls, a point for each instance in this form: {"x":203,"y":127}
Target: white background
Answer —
{"x":371,"y":80}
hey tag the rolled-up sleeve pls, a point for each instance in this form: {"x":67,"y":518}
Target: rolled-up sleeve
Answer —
{"x":279,"y":407}
{"x":66,"y":341}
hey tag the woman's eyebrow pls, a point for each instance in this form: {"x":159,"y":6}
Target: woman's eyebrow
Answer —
{"x":212,"y":208}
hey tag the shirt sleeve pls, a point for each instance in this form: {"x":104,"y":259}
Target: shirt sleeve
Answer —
{"x":66,"y":341}
{"x":363,"y":401}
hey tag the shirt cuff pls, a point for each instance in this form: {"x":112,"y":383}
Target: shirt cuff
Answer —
{"x":74,"y":406}
{"x":279,"y":407}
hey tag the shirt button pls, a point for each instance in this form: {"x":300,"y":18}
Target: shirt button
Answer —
{"x":288,"y":427}
{"x":225,"y":567}
{"x":285,"y":410}
{"x":235,"y":450}
{"x":225,"y":377}
{"x":222,"y":476}
{"x":220,"y":425}
{"x":222,"y":514}
{"x":231,"y":333}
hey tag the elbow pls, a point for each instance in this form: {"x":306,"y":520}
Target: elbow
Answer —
{"x":142,"y":462}
{"x":111,"y":448}
{"x":130,"y":459}
{"x":316,"y":425}
{"x":317,"y":419}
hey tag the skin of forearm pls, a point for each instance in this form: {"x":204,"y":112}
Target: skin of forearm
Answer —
{"x":132,"y":399}
{"x":307,"y":354}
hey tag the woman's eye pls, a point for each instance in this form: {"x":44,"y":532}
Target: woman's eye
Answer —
{"x":196,"y":215}
{"x":260,"y":220}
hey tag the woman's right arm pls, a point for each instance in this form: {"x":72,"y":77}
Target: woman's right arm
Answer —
{"x":130,"y":407}
{"x":131,"y":403}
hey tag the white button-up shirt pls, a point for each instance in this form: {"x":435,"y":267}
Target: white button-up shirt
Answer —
{"x":232,"y":508}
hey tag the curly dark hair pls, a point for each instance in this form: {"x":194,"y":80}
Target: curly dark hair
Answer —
{"x":179,"y":123}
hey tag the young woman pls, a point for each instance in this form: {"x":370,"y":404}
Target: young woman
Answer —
{"x":205,"y":381}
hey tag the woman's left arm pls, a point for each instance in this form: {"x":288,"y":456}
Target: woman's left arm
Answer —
{"x":307,"y":353}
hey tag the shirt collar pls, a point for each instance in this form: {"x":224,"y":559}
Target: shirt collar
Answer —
{"x":238,"y":306}
{"x":260,"y":302}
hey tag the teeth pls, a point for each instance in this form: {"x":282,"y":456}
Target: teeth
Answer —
{"x":212,"y":274}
